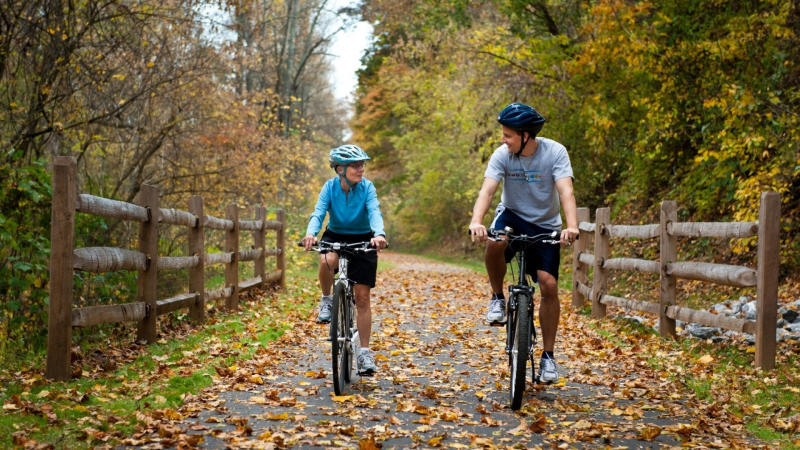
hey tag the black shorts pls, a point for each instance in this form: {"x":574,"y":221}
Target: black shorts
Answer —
{"x":539,"y":256}
{"x":362,"y":267}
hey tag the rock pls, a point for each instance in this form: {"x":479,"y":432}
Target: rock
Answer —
{"x":749,"y":310}
{"x":702,"y":332}
{"x":781,"y":334}
{"x":793,"y":328}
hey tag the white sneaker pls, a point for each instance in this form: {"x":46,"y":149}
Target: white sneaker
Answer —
{"x":366,"y":362}
{"x":324,"y":315}
{"x":497,"y":311}
{"x":548,"y":372}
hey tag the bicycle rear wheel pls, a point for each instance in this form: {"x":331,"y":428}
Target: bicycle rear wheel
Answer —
{"x":519,"y":350}
{"x":340,"y":359}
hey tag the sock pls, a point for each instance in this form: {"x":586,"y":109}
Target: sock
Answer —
{"x":364,"y":350}
{"x":327,"y":298}
{"x":547,"y":355}
{"x":500,"y":296}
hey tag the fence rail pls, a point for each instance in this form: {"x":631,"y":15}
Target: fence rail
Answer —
{"x":65,"y":259}
{"x":764,"y":278}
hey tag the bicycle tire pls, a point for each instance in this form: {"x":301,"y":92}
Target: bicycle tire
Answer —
{"x":348,"y":342}
{"x":339,"y":338}
{"x":519,"y":351}
{"x":511,"y":320}
{"x":534,"y":378}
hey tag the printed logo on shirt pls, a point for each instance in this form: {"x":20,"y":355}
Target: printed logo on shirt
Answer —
{"x":528,"y":176}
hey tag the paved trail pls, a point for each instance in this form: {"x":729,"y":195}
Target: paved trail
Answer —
{"x":443,"y":381}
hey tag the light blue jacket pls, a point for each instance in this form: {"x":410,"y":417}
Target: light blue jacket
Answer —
{"x":355,"y":212}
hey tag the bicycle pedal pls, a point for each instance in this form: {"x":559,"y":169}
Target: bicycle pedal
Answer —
{"x":496,"y":323}
{"x":366,"y":373}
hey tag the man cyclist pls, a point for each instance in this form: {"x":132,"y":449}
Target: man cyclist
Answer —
{"x":355,"y":216}
{"x":536,"y":174}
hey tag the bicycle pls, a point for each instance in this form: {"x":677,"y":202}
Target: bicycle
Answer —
{"x":343,"y":332}
{"x":520,"y":332}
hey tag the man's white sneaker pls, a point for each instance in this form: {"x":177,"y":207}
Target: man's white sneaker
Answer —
{"x":548,"y":373}
{"x":366,"y":362}
{"x":497,"y":311}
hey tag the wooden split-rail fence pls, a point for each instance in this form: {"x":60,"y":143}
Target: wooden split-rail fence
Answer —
{"x":65,"y":259}
{"x":669,"y":269}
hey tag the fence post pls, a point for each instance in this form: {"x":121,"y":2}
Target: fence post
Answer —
{"x":258,"y":240}
{"x":197,"y":312}
{"x":148,"y":279}
{"x":232,"y":269}
{"x":62,"y":242}
{"x":767,"y":285}
{"x":669,"y":253}
{"x":280,"y":242}
{"x":601,"y":218}
{"x":579,"y":272}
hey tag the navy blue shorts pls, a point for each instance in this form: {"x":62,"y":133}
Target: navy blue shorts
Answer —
{"x":361,"y":267}
{"x":539,"y":256}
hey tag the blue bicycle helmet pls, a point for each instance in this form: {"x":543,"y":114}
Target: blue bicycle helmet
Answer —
{"x":521,"y":118}
{"x":346,"y":154}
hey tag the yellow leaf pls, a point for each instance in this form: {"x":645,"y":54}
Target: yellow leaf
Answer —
{"x":649,"y":433}
{"x":706,"y":359}
{"x":342,"y":398}
{"x":282,"y":416}
{"x":118,"y":76}
{"x":436,"y":441}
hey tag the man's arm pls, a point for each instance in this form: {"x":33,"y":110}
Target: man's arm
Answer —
{"x":482,"y":204}
{"x":567,"y":196}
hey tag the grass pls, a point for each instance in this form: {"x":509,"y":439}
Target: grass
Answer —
{"x":755,"y":396}
{"x":103,"y":404}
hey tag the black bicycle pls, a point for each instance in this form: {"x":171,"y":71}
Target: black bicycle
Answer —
{"x":343,"y":332}
{"x":520,"y":331}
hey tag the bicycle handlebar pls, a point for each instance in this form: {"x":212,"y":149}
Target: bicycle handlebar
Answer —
{"x":545,"y":238}
{"x":353,"y":247}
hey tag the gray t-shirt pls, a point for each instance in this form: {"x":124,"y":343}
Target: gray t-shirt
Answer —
{"x":529,"y":182}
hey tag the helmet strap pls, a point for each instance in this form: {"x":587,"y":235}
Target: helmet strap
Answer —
{"x":343,"y":175}
{"x":523,"y":141}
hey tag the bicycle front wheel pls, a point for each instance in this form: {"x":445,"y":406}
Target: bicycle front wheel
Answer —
{"x":340,"y":359}
{"x":519,"y":350}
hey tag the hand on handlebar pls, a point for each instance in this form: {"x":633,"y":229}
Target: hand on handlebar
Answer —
{"x":477,"y":230}
{"x":568,"y":235}
{"x":308,"y":242}
{"x":379,"y":242}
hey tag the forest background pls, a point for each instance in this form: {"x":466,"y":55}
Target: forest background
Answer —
{"x":690,"y":100}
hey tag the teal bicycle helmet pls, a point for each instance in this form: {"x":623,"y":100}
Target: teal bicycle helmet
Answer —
{"x":346,"y":154}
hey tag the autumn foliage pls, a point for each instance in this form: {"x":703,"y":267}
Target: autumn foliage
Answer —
{"x":690,"y":101}
{"x":208,"y":98}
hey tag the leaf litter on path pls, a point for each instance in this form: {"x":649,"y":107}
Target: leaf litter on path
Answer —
{"x":443,"y":382}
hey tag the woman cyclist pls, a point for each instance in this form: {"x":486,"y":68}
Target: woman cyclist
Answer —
{"x":355,"y":216}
